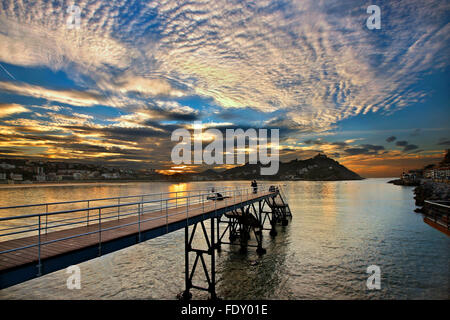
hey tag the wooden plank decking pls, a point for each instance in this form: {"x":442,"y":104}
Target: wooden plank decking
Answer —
{"x":26,"y":256}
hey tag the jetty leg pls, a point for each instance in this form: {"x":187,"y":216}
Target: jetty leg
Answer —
{"x":218,"y":242}
{"x":284,"y":220}
{"x":212,"y":284}
{"x":258,"y":235}
{"x":186,"y":295}
{"x":273,"y":222}
{"x":200,"y":260}
{"x":243,"y":239}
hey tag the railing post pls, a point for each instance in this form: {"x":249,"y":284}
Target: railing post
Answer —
{"x":39,"y":248}
{"x":141,"y":206}
{"x":87,"y":218}
{"x":118,"y":209}
{"x":99,"y":232}
{"x":167,"y":216}
{"x":46,"y":217}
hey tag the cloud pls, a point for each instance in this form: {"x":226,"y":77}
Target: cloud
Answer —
{"x":367,"y":149}
{"x":410,"y":147}
{"x":343,"y":149}
{"x":356,"y":151}
{"x":340,"y":144}
{"x":391,"y":139}
{"x":415,"y":133}
{"x":315,"y":142}
{"x":9,"y":109}
{"x":444,"y":142}
{"x":320,"y":142}
{"x":401,"y":143}
{"x":150,"y":87}
{"x":372,"y":147}
{"x":313,"y":60}
{"x":157,"y":111}
{"x":72,"y":97}
{"x":406,"y":146}
{"x":45,"y":40}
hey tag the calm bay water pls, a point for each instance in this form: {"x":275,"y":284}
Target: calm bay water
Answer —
{"x":338,"y":230}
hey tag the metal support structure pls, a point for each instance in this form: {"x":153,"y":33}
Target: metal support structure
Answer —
{"x":200,"y":257}
{"x":242,"y":223}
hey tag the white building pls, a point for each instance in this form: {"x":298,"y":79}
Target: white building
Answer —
{"x":7,"y":166}
{"x":40,"y":177}
{"x":114,"y":175}
{"x":16,"y":176}
{"x":443,"y":173}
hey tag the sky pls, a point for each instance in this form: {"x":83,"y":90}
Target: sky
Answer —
{"x":114,"y":89}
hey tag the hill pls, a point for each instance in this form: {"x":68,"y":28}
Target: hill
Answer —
{"x":318,"y":168}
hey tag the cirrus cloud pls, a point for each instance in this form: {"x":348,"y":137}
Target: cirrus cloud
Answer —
{"x":316,"y":61}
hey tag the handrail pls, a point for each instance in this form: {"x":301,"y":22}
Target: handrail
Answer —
{"x":99,"y":207}
{"x":93,"y":217}
{"x":166,"y":203}
{"x":104,"y":199}
{"x":435,"y":203}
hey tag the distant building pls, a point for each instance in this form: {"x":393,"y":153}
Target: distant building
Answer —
{"x":113,"y":175}
{"x":93,"y":175}
{"x":61,"y":177}
{"x":7,"y":166}
{"x":418,"y":173}
{"x":412,"y":175}
{"x":40,"y":177}
{"x":443,"y":173}
{"x":2,"y":176}
{"x":77,"y":176}
{"x":429,"y":174}
{"x":52,"y":176}
{"x":16,"y":176}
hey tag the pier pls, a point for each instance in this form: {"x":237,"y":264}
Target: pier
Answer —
{"x":59,"y":234}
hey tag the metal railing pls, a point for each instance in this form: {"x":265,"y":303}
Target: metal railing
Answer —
{"x":438,"y":211}
{"x":92,"y":218}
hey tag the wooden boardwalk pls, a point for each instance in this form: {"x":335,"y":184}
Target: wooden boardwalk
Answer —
{"x":118,"y":229}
